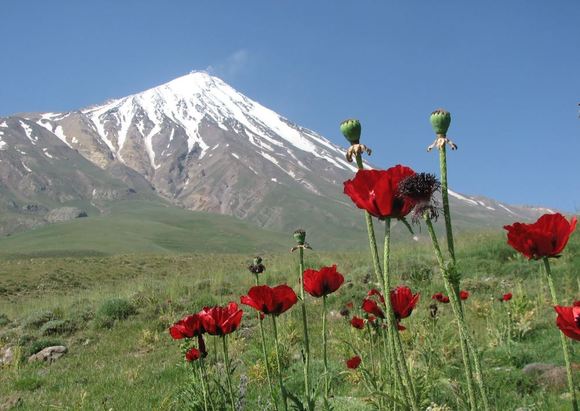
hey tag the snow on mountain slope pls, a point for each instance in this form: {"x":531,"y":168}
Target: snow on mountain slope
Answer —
{"x":186,"y":102}
{"x":204,"y":146}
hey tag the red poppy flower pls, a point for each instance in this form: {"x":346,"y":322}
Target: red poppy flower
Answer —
{"x":463,"y":294}
{"x":353,"y":362}
{"x":377,"y":191}
{"x":349,"y":305}
{"x":192,"y":354}
{"x":221,"y":320}
{"x":568,"y":320}
{"x":547,"y":237}
{"x":323,"y":282}
{"x":376,"y":292}
{"x":187,"y":327}
{"x":506,"y":297}
{"x":437,"y":296}
{"x":357,"y":322}
{"x":403,"y":301}
{"x":270,"y":300}
{"x":444,"y":300}
{"x":371,"y":307}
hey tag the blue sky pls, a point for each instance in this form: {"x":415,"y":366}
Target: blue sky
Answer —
{"x":509,"y":71}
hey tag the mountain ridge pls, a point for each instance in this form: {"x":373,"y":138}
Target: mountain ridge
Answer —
{"x":201,"y":145}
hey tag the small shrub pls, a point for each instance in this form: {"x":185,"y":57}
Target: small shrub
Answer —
{"x":58,"y":327}
{"x":38,"y":318}
{"x":27,"y":383}
{"x":4,"y":321}
{"x":112,"y":310}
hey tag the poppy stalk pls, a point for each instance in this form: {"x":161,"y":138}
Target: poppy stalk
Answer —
{"x":391,"y":359}
{"x":264,"y":350}
{"x":468,"y":347}
{"x":440,"y":120}
{"x":405,"y":382}
{"x":563,"y":339}
{"x":280,"y":382}
{"x":300,"y":237}
{"x":228,"y":369}
{"x":324,"y":354}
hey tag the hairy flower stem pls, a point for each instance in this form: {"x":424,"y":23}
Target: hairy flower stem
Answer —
{"x":405,"y":379}
{"x":228,"y":369}
{"x":282,"y":390}
{"x":203,"y":389}
{"x":325,"y":354}
{"x":454,"y":278}
{"x":446,"y":210}
{"x":204,"y":375}
{"x":466,"y":342}
{"x":564,"y":341}
{"x":265,"y":354}
{"x":307,"y":392}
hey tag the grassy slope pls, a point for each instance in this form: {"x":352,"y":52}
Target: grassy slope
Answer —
{"x":135,"y":365}
{"x":143,"y":227}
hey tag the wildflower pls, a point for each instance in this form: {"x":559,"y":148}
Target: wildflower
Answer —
{"x":463,"y":294}
{"x":437,"y":296}
{"x":221,"y":320}
{"x":420,"y":188}
{"x":376,"y":292}
{"x":547,"y":237}
{"x":257,"y":267}
{"x":506,"y":297}
{"x":433,"y":310}
{"x":440,"y":121}
{"x":351,"y":129}
{"x":568,"y":320}
{"x":371,"y":307}
{"x":377,"y":191}
{"x":403,"y":301}
{"x":444,"y":300}
{"x":192,"y":354}
{"x":357,"y":322}
{"x":353,"y":362}
{"x":268,"y":300}
{"x":323,"y":282}
{"x":187,"y":327}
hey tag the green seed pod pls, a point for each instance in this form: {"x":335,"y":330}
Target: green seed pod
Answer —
{"x":300,"y":236}
{"x":440,"y":121}
{"x":351,"y":130}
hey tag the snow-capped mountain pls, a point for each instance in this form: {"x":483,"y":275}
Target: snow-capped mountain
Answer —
{"x":200,"y":144}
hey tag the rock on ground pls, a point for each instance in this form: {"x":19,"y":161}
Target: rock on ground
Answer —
{"x":49,"y":354}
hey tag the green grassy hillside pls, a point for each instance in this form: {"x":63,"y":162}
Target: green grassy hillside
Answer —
{"x":143,"y":227}
{"x":131,"y":363}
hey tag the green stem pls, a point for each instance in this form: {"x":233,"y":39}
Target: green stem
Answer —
{"x":204,"y":374}
{"x":563,"y":340}
{"x":307,"y":392}
{"x":282,"y":390}
{"x":203,"y":389}
{"x":445,"y":199}
{"x":404,"y":379}
{"x":265,"y":354}
{"x":467,"y":345}
{"x":325,"y":354}
{"x":228,"y":376}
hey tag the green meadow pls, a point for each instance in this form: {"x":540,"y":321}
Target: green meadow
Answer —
{"x":112,"y":310}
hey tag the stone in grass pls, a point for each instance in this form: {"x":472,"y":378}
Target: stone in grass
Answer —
{"x":49,"y":354}
{"x":549,"y":375}
{"x":10,"y":403}
{"x":6,"y":356}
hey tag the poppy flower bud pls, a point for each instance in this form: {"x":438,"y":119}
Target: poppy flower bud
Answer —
{"x":300,"y":236}
{"x":351,"y":130}
{"x":440,"y":121}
